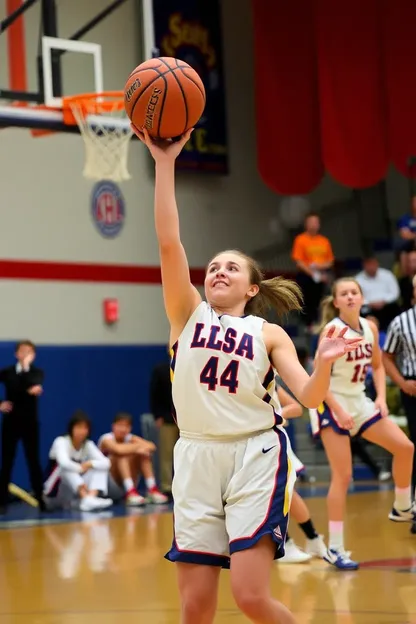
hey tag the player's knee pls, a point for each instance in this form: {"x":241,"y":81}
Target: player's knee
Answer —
{"x":251,"y":602}
{"x":196,"y":605}
{"x":406,"y":448}
{"x":342,"y":478}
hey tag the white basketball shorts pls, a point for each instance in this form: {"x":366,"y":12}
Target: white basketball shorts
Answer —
{"x":228,"y":495}
{"x":360,"y":407}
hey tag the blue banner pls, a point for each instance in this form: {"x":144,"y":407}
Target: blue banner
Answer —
{"x":190,"y":30}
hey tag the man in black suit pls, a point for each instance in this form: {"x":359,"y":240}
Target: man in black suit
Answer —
{"x":23,"y":384}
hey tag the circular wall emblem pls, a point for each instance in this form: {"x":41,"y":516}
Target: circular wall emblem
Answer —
{"x":108,"y":208}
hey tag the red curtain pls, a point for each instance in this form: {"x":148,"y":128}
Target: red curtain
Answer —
{"x":351,"y":92}
{"x":399,"y":23}
{"x":335,"y":89}
{"x":287,"y":109}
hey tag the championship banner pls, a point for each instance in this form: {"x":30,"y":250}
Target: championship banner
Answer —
{"x":190,"y":30}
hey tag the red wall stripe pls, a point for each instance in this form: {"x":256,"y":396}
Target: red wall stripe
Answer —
{"x":90,"y":272}
{"x":86,"y":272}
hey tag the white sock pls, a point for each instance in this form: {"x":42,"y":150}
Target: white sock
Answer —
{"x":150,"y":483}
{"x":403,"y":498}
{"x":128,"y":484}
{"x":336,"y":535}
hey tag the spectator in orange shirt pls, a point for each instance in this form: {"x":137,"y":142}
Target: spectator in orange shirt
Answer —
{"x":313,"y":255}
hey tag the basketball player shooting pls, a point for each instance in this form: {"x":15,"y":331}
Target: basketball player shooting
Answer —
{"x":233,"y":479}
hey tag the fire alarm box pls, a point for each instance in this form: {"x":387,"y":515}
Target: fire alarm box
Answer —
{"x":111,"y":311}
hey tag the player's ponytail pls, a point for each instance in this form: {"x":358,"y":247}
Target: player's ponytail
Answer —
{"x":277,"y":293}
{"x":328,"y":311}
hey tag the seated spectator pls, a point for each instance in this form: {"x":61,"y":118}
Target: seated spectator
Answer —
{"x":130,"y":456}
{"x":380,"y":291}
{"x":406,"y":282}
{"x":313,"y":255}
{"x":78,"y":471}
{"x":407,"y":234}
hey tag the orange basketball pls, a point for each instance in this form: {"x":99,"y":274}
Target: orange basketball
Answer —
{"x":165,"y":95}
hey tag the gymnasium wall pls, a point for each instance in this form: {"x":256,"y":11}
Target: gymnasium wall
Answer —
{"x":47,"y":233}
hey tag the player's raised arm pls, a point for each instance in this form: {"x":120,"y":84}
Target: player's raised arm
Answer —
{"x":180,"y":296}
{"x":310,"y":391}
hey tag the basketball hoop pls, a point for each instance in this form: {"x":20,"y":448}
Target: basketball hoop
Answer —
{"x":106,"y":131}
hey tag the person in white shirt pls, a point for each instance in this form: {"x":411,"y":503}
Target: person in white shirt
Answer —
{"x":130,"y":456}
{"x":78,"y":470}
{"x":381,"y":292}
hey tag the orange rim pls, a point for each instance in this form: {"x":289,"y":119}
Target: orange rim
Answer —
{"x":92,"y":104}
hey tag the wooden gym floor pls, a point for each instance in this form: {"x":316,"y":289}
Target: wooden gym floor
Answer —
{"x":107,"y":569}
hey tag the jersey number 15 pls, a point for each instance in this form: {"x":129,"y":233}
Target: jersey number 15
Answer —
{"x":228,"y":378}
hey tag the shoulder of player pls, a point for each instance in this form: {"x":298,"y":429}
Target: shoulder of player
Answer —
{"x":274,"y":335}
{"x":371,"y":325}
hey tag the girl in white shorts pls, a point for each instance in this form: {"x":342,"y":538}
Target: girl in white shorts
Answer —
{"x":233,"y":477}
{"x":348,"y":412}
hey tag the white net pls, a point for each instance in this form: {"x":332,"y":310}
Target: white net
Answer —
{"x":106,"y":131}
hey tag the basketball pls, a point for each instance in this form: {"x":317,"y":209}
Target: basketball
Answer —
{"x":165,"y":95}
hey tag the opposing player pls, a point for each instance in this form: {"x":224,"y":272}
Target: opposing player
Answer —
{"x":130,"y":456}
{"x":347,"y":411}
{"x":233,"y":480}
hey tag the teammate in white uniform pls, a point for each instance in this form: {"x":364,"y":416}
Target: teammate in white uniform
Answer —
{"x":233,"y":480}
{"x":347,"y":411}
{"x":78,"y":470}
{"x":315,"y":545}
{"x":130,"y":456}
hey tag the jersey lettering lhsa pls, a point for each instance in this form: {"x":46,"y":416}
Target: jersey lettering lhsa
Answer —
{"x":349,"y":372}
{"x":222,"y":378}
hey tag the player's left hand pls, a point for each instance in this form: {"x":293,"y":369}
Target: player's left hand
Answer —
{"x":381,"y":405}
{"x":35,"y":390}
{"x":334,"y":344}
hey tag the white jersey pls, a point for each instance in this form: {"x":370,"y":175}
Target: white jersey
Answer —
{"x":349,"y":372}
{"x":222,"y":379}
{"x":110,"y":436}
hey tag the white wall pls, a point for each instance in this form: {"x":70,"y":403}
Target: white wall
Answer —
{"x":46,"y":207}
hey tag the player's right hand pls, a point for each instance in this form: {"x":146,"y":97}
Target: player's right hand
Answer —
{"x":409,"y":387}
{"x":162,"y":150}
{"x":344,"y":420}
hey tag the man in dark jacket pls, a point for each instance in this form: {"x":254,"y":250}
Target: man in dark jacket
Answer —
{"x":23,"y":385}
{"x":161,"y":406}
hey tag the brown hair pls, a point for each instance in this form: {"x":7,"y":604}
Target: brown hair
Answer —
{"x":328,"y":309}
{"x":123,"y":416}
{"x":25,"y":343}
{"x":280,"y":294}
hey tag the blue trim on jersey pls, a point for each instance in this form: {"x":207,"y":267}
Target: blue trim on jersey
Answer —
{"x":189,"y":556}
{"x":275,"y":523}
{"x":369,"y":423}
{"x":327,"y":415}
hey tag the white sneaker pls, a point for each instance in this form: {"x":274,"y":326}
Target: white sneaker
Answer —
{"x":316,"y":547}
{"x":384,"y":475}
{"x":293,"y":554}
{"x":91,"y":503}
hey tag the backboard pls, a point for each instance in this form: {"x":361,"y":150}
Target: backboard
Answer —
{"x":40,"y":107}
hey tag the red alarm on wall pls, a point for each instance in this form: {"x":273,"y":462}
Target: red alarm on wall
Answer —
{"x":111,"y":311}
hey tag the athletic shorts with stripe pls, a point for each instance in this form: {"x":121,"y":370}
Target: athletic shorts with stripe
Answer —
{"x":228,"y":495}
{"x":361,"y":408}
